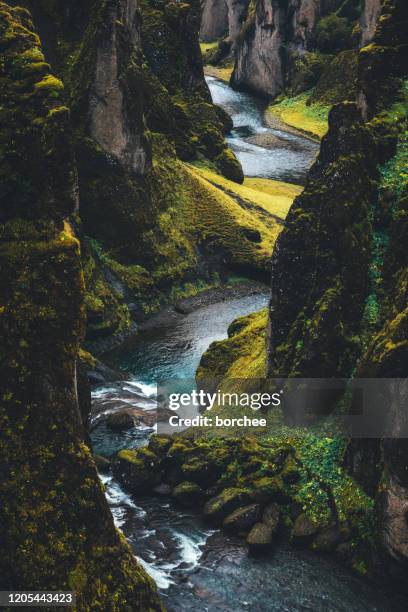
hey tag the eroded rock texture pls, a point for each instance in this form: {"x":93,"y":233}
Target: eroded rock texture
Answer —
{"x":56,"y":530}
{"x":369,"y":17}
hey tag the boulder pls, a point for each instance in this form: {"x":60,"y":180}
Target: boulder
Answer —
{"x":304,"y":529}
{"x":219,"y":507}
{"x":119,"y":421}
{"x":160,"y":444}
{"x":201,"y":471}
{"x":137,"y":470}
{"x":267,"y":489}
{"x":187,"y":493}
{"x":242,"y":518}
{"x":271,"y":516}
{"x":260,"y":537}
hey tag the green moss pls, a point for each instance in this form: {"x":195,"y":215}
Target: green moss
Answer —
{"x":242,"y":355}
{"x":299,"y":113}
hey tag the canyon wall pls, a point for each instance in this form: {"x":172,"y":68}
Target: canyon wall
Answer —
{"x":56,"y":530}
{"x":214,"y":20}
{"x":339,"y":277}
{"x":222,"y":20}
{"x":281,"y":40}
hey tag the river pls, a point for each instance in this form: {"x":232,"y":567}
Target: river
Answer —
{"x":197,"y":568}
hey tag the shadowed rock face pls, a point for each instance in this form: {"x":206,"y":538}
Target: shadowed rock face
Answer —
{"x":259,"y":61}
{"x":369,"y":18}
{"x":56,"y":530}
{"x":223,"y":19}
{"x":214,"y":20}
{"x":305,"y":13}
{"x":267,"y":35}
{"x":113,"y":127}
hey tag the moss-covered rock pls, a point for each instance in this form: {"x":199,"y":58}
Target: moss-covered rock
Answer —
{"x":304,"y":529}
{"x":216,"y":509}
{"x":260,"y":537}
{"x":160,"y":444}
{"x":267,"y":489}
{"x":228,"y":164}
{"x":187,"y":493}
{"x":137,"y":470}
{"x":242,"y":519}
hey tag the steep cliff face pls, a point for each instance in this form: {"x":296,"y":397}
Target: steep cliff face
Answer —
{"x":368,"y":21}
{"x":56,"y":530}
{"x":286,"y":46}
{"x":223,"y":21}
{"x":259,"y":61}
{"x":214,"y":20}
{"x":113,"y":122}
{"x":339,"y":278}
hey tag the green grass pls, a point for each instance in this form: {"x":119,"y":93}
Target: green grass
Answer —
{"x":220,"y":72}
{"x":208,"y":46}
{"x":311,"y":119}
{"x":275,"y":197}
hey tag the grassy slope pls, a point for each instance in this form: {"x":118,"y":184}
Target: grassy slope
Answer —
{"x":275,"y":197}
{"x":311,"y":119}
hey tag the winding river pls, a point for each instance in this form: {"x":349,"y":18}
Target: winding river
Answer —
{"x":197,"y":568}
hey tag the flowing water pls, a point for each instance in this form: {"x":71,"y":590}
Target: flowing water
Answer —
{"x":287,"y":156}
{"x":197,"y":568}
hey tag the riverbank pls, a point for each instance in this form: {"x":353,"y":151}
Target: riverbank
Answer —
{"x":297,"y":112}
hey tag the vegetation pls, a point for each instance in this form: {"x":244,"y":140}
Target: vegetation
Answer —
{"x":298,"y":112}
{"x":333,"y":34}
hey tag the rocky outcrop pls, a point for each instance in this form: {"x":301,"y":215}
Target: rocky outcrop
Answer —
{"x":223,"y":19}
{"x":237,"y":12}
{"x":56,"y":530}
{"x":214,"y":20}
{"x":305,"y":14}
{"x":368,"y":21}
{"x":272,"y":33}
{"x":259,"y":63}
{"x":114,"y":124}
{"x":285,"y":46}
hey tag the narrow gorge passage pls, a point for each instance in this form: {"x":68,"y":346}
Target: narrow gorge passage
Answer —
{"x":197,"y":568}
{"x":264,"y":152}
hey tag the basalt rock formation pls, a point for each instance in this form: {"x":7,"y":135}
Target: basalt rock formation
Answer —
{"x":288,"y":46}
{"x":339,"y":277}
{"x":56,"y":530}
{"x":222,"y":20}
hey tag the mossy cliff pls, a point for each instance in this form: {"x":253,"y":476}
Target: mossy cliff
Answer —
{"x":140,"y":108}
{"x":56,"y":530}
{"x":285,"y":47}
{"x":339,"y":309}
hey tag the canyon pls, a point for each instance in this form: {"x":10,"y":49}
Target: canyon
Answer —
{"x":125,"y":192}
